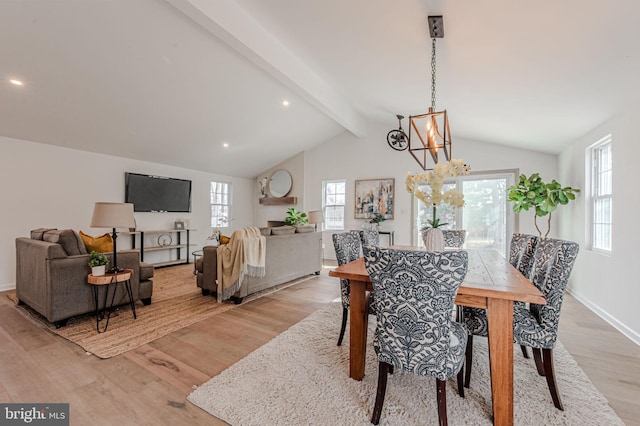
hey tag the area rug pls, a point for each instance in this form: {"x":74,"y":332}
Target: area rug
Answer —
{"x":176,"y":303}
{"x":301,"y":378}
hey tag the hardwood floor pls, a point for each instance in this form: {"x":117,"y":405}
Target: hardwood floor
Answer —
{"x":149,"y":385}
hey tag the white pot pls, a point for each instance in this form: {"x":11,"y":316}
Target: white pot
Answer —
{"x":97,"y":271}
{"x":433,"y":239}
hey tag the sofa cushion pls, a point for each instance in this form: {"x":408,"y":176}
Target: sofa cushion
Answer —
{"x":283,"y":230}
{"x":66,"y":238}
{"x":266,"y":231}
{"x":37,"y":234}
{"x":305,"y":228}
{"x":146,"y":271}
{"x":101,"y":243}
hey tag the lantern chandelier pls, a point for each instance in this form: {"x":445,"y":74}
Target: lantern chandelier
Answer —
{"x":428,"y":133}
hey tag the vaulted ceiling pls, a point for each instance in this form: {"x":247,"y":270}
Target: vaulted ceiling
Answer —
{"x":172,"y":81}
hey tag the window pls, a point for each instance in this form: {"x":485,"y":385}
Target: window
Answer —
{"x":220,"y":204}
{"x":601,"y":194}
{"x":333,"y":198}
{"x":486,"y":216}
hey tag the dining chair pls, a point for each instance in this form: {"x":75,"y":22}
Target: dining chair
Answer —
{"x":454,"y":238}
{"x":347,"y":246}
{"x":536,"y":326}
{"x":414,"y":295}
{"x":370,"y":237}
{"x":521,"y":252}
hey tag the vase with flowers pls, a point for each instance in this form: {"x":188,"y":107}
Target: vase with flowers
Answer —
{"x":435,"y":196}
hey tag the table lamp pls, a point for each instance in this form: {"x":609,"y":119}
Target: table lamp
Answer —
{"x":113,"y":215}
{"x":315,"y":217}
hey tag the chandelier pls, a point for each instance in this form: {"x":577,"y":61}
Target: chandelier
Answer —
{"x":429,"y":133}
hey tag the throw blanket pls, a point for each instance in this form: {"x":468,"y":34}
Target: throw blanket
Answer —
{"x":244,"y":254}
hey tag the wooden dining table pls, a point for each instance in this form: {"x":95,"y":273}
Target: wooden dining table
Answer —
{"x":491,"y":283}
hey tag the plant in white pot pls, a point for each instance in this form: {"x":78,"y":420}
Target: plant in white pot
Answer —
{"x":544,"y":198}
{"x":98,"y":263}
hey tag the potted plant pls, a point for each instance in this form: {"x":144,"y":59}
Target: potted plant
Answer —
{"x":98,"y":262}
{"x":544,"y":198}
{"x":376,"y":220}
{"x":295,"y":217}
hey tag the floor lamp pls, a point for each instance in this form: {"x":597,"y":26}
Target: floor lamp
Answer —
{"x":113,"y":215}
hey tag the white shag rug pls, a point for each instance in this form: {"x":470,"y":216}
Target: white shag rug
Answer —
{"x":302,"y":378}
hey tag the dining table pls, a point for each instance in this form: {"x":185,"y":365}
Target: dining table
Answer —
{"x":491,"y":283}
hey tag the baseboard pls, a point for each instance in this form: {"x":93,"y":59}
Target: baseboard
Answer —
{"x":8,"y":286}
{"x":632,"y":335}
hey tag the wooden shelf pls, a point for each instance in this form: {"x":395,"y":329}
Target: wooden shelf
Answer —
{"x":272,"y":201}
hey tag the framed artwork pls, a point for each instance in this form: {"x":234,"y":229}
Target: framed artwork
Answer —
{"x":373,"y":197}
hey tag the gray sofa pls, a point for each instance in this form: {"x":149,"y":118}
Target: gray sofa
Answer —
{"x":51,"y":277}
{"x":287,"y":258}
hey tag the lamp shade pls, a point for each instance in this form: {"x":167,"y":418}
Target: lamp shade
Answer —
{"x":315,"y":217}
{"x":113,"y":215}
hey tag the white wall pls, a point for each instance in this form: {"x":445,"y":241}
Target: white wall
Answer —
{"x":48,"y":186}
{"x":608,"y":284}
{"x":351,"y":158}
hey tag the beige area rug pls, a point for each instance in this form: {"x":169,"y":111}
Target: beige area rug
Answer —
{"x":176,"y":303}
{"x":301,"y":378}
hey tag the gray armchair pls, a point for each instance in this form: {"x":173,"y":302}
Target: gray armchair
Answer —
{"x":53,"y":282}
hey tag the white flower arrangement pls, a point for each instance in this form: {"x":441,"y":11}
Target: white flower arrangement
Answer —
{"x":435,"y":179}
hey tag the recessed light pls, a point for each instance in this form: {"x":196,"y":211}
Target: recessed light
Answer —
{"x":225,"y":144}
{"x":16,"y":82}
{"x":285,"y":103}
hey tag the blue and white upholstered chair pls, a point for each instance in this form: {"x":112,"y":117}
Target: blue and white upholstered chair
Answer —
{"x":536,"y":326}
{"x":454,"y":238}
{"x":370,"y":237}
{"x":414,"y":295}
{"x":521,"y":252}
{"x":347,"y":246}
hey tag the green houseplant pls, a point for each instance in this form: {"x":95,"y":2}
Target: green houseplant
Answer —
{"x":533,"y":193}
{"x":295,"y":217}
{"x":97,"y":262}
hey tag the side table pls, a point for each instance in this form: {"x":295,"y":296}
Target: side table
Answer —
{"x":105,"y":280}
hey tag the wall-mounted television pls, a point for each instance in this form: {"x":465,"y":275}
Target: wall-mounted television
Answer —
{"x":150,"y":193}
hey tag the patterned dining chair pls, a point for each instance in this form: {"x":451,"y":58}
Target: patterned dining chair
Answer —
{"x":521,"y":251}
{"x":414,"y":295}
{"x":454,"y":238}
{"x":370,"y":237}
{"x":537,"y":325}
{"x":347,"y":246}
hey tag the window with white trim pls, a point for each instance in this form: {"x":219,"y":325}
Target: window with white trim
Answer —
{"x":601,"y":194}
{"x":333,"y":199}
{"x":220,"y":204}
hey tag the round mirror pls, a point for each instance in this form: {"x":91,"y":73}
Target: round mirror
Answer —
{"x":280,"y":183}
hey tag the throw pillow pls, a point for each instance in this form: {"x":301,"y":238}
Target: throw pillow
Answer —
{"x":305,"y":228}
{"x":224,"y":239}
{"x":283,"y":230}
{"x":66,"y":238}
{"x":101,"y":243}
{"x":37,"y":234}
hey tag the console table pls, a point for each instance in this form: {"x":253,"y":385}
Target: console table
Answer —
{"x":174,"y":241}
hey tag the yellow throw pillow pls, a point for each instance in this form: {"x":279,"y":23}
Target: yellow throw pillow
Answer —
{"x":101,"y":244}
{"x":224,"y":239}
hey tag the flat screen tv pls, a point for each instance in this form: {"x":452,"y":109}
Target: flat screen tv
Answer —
{"x":157,"y":193}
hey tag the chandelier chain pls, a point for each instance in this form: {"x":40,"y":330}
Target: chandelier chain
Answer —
{"x":433,"y":73}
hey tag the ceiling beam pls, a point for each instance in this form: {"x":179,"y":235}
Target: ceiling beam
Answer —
{"x":234,"y":26}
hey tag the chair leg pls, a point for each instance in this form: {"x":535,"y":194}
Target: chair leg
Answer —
{"x":524,"y":351}
{"x":537,"y":356}
{"x":383,"y":369}
{"x":549,"y":373}
{"x":345,"y":313}
{"x":460,"y":376}
{"x":467,"y":362}
{"x":441,"y":387}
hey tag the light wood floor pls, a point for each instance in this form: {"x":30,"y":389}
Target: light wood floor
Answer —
{"x":150,"y":385}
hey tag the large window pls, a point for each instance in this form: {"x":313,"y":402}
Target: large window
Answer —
{"x":220,"y":204}
{"x":333,"y":198}
{"x":601,"y":194}
{"x":486,"y":215}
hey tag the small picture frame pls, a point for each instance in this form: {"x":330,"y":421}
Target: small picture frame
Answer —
{"x":179,"y":225}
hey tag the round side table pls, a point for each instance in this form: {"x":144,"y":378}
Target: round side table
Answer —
{"x":105,"y":281}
